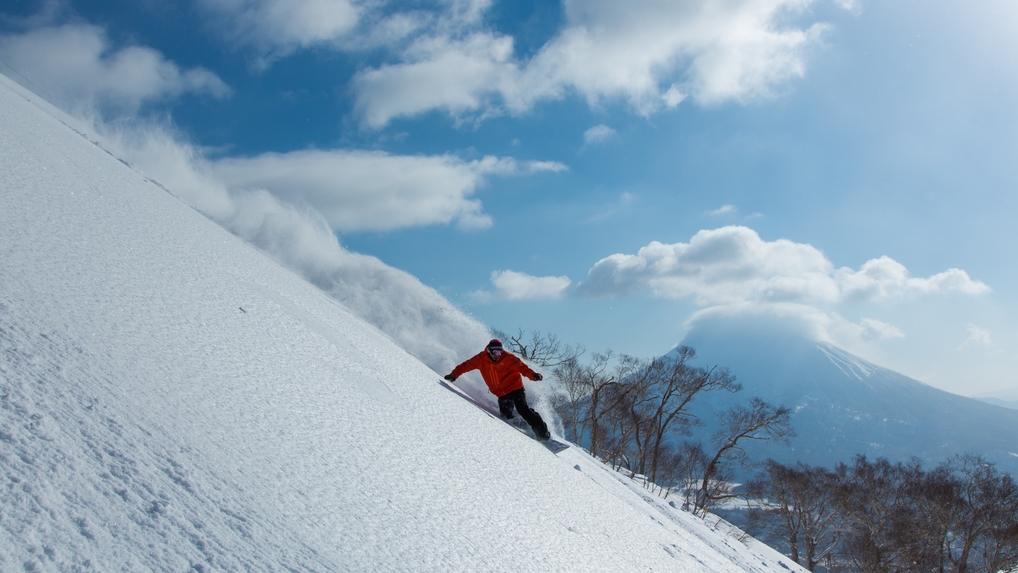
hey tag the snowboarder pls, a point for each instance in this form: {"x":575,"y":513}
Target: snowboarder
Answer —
{"x":503,"y":373}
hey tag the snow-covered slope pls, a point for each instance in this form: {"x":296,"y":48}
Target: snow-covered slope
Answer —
{"x":843,"y":405}
{"x":173,"y":399}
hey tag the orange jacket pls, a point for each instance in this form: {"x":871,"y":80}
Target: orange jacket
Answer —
{"x":502,"y":376}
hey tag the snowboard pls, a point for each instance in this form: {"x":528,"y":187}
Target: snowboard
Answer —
{"x":553,"y":445}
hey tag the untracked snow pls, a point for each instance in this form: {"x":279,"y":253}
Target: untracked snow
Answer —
{"x":173,"y":399}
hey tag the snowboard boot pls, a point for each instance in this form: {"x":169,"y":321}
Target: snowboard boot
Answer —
{"x":540,"y":428}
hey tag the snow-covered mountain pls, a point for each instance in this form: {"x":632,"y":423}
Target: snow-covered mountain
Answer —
{"x":171,"y":399}
{"x":843,"y":405}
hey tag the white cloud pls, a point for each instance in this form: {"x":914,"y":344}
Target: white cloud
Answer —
{"x":721,"y":51}
{"x":733,"y":264}
{"x":951,"y":280}
{"x":624,"y":201}
{"x":853,"y":6}
{"x":512,"y":285}
{"x":849,"y":334}
{"x":465,"y":12}
{"x":76,"y":66}
{"x":545,"y":166}
{"x":304,"y":21}
{"x":369,"y":190}
{"x":459,"y":77}
{"x":885,"y":278}
{"x":674,"y":96}
{"x":723,"y":210}
{"x":276,"y":28}
{"x":598,"y":134}
{"x":649,"y":53}
{"x":376,"y":191}
{"x":977,"y":337}
{"x":723,"y":266}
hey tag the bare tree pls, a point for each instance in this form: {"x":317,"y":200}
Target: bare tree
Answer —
{"x":796,"y":507}
{"x":873,"y":497}
{"x":758,"y":421}
{"x":1000,"y":548}
{"x":666,"y":387}
{"x":624,"y":448}
{"x":593,"y":393}
{"x":671,"y":471}
{"x":543,"y":350}
{"x":693,"y":462}
{"x":923,"y":518}
{"x":571,"y":407}
{"x":961,"y":516}
{"x":984,"y":517}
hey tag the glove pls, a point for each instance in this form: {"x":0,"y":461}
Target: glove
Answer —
{"x":537,"y":376}
{"x":450,"y":377}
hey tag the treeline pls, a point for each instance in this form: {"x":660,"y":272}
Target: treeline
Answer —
{"x":961,"y":516}
{"x":627,"y":411}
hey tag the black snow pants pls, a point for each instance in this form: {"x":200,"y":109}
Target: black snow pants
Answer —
{"x":518,"y":398}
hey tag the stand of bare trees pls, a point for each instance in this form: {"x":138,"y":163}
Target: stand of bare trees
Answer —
{"x":868,"y":517}
{"x":757,"y":421}
{"x":629,"y":412}
{"x":961,"y":516}
{"x":797,"y":509}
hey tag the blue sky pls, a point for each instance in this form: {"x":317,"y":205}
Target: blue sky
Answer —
{"x":608,"y":172}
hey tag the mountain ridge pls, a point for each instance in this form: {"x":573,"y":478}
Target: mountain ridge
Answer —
{"x":843,"y":405}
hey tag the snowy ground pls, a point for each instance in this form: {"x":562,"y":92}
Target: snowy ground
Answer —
{"x":173,"y":399}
